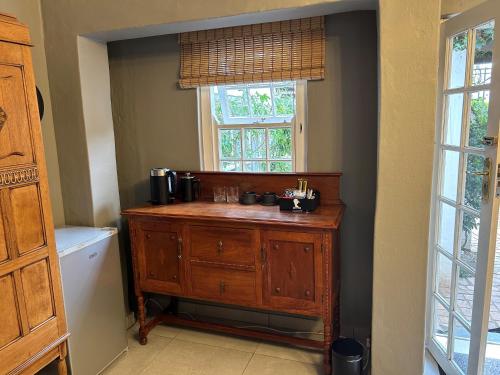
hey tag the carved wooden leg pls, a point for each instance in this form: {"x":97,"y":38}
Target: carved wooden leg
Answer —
{"x":62,"y":369}
{"x":143,"y":339}
{"x":327,"y":344}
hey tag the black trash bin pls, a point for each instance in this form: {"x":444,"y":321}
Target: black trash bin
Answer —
{"x":347,"y":357}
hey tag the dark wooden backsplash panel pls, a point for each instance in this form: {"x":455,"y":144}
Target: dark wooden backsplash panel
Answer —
{"x":328,"y":184}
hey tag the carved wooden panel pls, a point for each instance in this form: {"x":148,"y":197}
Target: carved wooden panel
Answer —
{"x":3,"y":242}
{"x":15,"y":136}
{"x":37,"y":292}
{"x":10,"y":327}
{"x":293,"y":269}
{"x":18,"y":176}
{"x":27,"y":218}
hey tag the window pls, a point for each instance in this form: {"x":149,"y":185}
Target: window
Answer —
{"x":257,"y":127}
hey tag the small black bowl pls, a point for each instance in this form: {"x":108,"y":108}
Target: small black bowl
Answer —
{"x":269,"y":199}
{"x":248,"y":197}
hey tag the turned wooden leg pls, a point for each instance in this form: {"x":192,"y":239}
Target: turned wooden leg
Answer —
{"x":327,"y":344}
{"x":143,"y":339}
{"x":62,"y":369}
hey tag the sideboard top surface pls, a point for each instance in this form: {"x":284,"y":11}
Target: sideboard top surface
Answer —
{"x":324,"y":217}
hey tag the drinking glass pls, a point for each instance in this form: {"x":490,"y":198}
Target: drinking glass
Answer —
{"x":233,"y":195}
{"x":219,"y":194}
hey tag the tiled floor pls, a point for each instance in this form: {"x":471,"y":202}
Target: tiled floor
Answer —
{"x":176,"y":351}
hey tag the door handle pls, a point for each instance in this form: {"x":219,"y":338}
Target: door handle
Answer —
{"x":485,"y":174}
{"x":179,"y":248}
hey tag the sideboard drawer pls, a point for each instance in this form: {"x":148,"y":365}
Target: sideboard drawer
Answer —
{"x":224,"y":244}
{"x":228,"y":285}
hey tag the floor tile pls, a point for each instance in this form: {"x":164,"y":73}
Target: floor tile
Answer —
{"x":165,"y":331}
{"x":264,"y":365}
{"x":223,"y":341}
{"x":289,"y":352}
{"x":188,"y":358}
{"x":138,"y":356}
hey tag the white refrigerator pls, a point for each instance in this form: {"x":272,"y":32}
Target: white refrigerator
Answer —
{"x":93,"y":297}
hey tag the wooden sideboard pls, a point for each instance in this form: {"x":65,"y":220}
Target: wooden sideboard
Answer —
{"x":33,"y":326}
{"x":252,"y":256}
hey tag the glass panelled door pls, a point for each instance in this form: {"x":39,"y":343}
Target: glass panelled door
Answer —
{"x":465,"y":202}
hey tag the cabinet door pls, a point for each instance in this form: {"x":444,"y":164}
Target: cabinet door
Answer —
{"x":159,"y":247}
{"x":292,"y":268}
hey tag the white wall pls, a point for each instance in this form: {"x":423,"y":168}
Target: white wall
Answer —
{"x":29,"y":13}
{"x":409,"y":32}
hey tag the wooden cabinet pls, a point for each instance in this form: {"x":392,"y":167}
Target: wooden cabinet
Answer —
{"x":266,"y":262}
{"x":33,"y":329}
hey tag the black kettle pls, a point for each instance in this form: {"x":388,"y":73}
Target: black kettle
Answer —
{"x":190,"y":188}
{"x":163,"y":182}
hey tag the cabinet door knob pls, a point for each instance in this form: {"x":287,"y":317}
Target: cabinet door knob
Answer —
{"x":307,"y":249}
{"x":148,"y":236}
{"x":278,"y":290}
{"x":222,"y":287}
{"x":276,"y":246}
{"x":151,"y":274}
{"x":308,"y":293}
{"x":174,"y":277}
{"x":219,"y":247}
{"x":179,"y":248}
{"x":172,"y":237}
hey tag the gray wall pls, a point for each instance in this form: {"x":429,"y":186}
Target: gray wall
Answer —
{"x":156,"y":125}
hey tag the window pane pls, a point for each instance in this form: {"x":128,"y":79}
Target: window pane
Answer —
{"x":454,"y":113}
{"x":229,"y":144}
{"x":483,"y":54}
{"x":465,"y":293}
{"x":443,"y":276}
{"x":441,"y":324}
{"x":237,"y":102}
{"x":284,"y":100}
{"x":446,"y":227}
{"x":469,"y":239}
{"x":450,"y":174}
{"x":461,"y":344}
{"x":255,"y":144}
{"x":280,"y":143}
{"x":478,"y":119}
{"x":280,"y":166}
{"x":230,"y":166}
{"x":473,"y":183}
{"x":260,"y":98}
{"x":216,"y":104}
{"x":458,"y":61}
{"x":254,"y":166}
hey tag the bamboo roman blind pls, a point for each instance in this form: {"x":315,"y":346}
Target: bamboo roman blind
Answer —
{"x":274,"y":51}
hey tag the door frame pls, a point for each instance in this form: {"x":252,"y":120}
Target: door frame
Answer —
{"x":474,"y":17}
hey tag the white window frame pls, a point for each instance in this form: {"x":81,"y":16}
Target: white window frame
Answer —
{"x":208,"y":129}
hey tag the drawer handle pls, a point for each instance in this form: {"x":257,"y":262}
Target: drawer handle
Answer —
{"x":219,"y":248}
{"x":278,"y":290}
{"x":179,"y":247}
{"x":263,"y":254}
{"x":307,"y":249}
{"x":222,"y":287}
{"x":308,"y":293}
